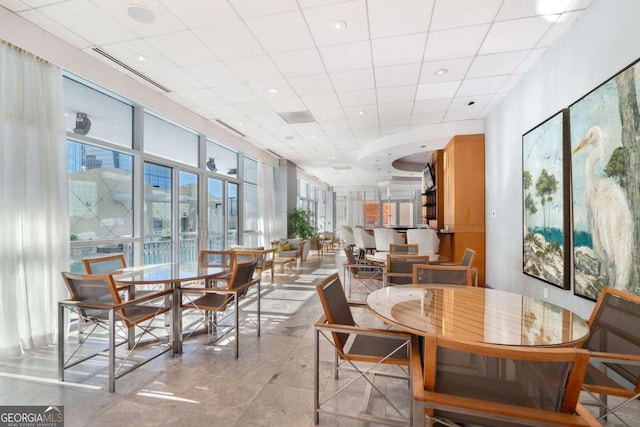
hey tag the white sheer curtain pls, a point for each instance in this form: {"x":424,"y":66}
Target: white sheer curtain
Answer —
{"x":266,"y":204}
{"x":355,"y":212}
{"x":34,"y":220}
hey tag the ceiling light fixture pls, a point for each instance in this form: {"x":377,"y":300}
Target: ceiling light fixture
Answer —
{"x":141,"y":14}
{"x":140,"y":57}
{"x":273,"y":90}
{"x":442,"y":72}
{"x":338,"y":26}
{"x":240,"y":123}
{"x":362,"y":112}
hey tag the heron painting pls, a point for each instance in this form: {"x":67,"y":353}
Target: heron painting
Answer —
{"x":605,"y":157}
{"x":545,"y":198}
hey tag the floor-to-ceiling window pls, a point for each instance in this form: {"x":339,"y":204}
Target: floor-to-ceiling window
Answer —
{"x":232,"y":214}
{"x":215,"y":214}
{"x":157,"y":214}
{"x":188,"y":216}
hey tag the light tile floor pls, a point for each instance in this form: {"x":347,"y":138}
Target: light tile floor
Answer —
{"x":270,"y":384}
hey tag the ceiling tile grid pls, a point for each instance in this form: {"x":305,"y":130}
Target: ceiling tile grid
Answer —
{"x":364,"y":69}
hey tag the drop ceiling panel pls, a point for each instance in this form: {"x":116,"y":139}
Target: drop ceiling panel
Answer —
{"x":311,"y":85}
{"x":201,"y":13}
{"x":423,"y":119}
{"x":321,"y":101}
{"x":399,"y":17}
{"x":202,"y":97}
{"x":513,"y":35}
{"x":14,"y":5}
{"x":237,"y":94}
{"x":252,"y":8}
{"x":455,"y":43}
{"x":431,"y":105}
{"x":55,"y":28}
{"x":397,"y":94}
{"x":456,"y":69}
{"x":129,"y":52}
{"x":463,"y":13}
{"x":483,"y":86}
{"x":281,"y":86}
{"x":353,"y":14}
{"x":531,"y":59}
{"x":285,"y":105}
{"x":357,"y":97}
{"x":515,"y":9}
{"x":82,"y":16}
{"x":395,"y":108}
{"x":437,"y":90}
{"x":175,"y":79}
{"x":360,"y":111}
{"x":254,"y":68}
{"x":326,"y":114}
{"x":397,"y":75}
{"x":353,"y":80}
{"x":215,"y":74}
{"x":558,"y":28}
{"x":183,"y":48}
{"x":297,"y":63}
{"x":165,"y":21}
{"x":231,"y":40}
{"x":282,"y":32}
{"x":345,"y":57}
{"x":496,"y":64}
{"x":398,"y":50}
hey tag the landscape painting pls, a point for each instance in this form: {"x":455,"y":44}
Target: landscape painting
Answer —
{"x":605,"y":132}
{"x":545,"y":198}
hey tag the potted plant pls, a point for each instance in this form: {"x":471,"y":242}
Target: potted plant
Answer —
{"x":301,"y":224}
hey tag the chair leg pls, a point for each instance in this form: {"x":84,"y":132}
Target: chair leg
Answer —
{"x":316,"y":377}
{"x":237,"y":324}
{"x":258,"y":303}
{"x":112,"y":351}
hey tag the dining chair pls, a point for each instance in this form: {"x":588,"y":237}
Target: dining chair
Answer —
{"x":104,"y":264}
{"x":365,"y":242}
{"x":403,"y":248}
{"x":354,"y":347}
{"x":472,"y":383}
{"x":211,"y":300}
{"x":349,"y":240}
{"x":223,"y":258}
{"x":426,"y":238}
{"x":614,"y":346}
{"x":384,"y":237}
{"x":399,"y":269}
{"x":360,"y":272}
{"x":428,"y":274}
{"x":264,"y":258}
{"x":95,"y":298}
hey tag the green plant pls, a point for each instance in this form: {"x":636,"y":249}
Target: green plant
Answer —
{"x":301,"y":223}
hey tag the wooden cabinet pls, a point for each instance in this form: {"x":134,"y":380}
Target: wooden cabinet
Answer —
{"x":463,"y":193}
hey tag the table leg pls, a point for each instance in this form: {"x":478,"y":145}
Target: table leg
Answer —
{"x":177,"y":318}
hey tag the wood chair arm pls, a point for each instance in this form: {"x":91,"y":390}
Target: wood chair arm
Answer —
{"x":584,"y":413}
{"x":358,"y":330}
{"x":86,"y":304}
{"x":623,"y":359}
{"x":218,"y":290}
{"x":500,"y":411}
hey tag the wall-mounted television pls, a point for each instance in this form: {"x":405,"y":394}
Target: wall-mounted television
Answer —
{"x":428,"y":179}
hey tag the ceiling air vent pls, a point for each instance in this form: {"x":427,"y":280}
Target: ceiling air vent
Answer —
{"x":342,"y":167}
{"x":294,"y":117}
{"x":132,"y":70}
{"x":274,"y":153}
{"x":232,"y":129}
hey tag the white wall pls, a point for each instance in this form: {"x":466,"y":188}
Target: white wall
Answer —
{"x":603,"y":41}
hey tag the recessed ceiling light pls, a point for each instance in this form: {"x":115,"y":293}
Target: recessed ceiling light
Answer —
{"x":312,"y":136}
{"x":141,"y":14}
{"x":333,"y":157}
{"x":273,"y":90}
{"x":240,"y":123}
{"x":140,"y":57}
{"x":338,"y":26}
{"x":442,"y":72}
{"x":362,"y":112}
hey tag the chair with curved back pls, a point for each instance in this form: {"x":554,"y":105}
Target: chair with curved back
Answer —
{"x":426,"y":238}
{"x":355,"y":346}
{"x":365,"y":242}
{"x":494,"y":385}
{"x":614,"y":346}
{"x":223,"y":258}
{"x":385,"y":237}
{"x":400,"y":268}
{"x":403,"y":248}
{"x":349,"y":240}
{"x":429,"y":274}
{"x":264,"y":258}
{"x":360,"y":272}
{"x":216,"y":299}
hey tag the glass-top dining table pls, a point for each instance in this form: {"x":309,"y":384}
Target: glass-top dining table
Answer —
{"x":477,"y":314}
{"x":173,"y":274}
